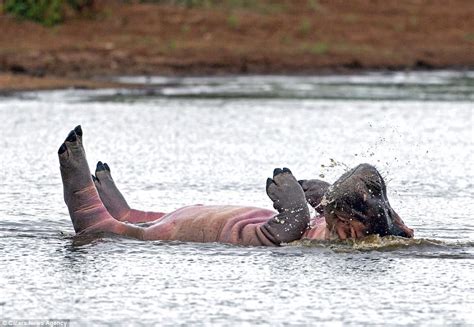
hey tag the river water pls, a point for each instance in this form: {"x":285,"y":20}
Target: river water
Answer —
{"x":215,"y":140}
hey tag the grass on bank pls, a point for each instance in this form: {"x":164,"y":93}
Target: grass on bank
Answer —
{"x":45,"y":12}
{"x":53,"y":12}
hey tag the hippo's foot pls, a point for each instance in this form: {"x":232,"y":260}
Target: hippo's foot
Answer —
{"x":85,"y":207}
{"x":285,"y":191}
{"x":289,"y":200}
{"x":314,"y":190}
{"x":109,"y":193}
{"x":73,"y":162}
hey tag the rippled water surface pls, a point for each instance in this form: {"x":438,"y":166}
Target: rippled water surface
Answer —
{"x":214,"y":141}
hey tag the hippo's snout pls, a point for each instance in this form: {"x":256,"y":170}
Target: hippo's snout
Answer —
{"x":399,"y":227}
{"x":400,"y":233}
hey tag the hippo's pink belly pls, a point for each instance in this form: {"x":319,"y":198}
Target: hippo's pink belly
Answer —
{"x":226,"y":224}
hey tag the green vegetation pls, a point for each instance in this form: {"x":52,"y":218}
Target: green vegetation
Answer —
{"x":187,"y":3}
{"x":469,"y":36}
{"x":286,"y":40}
{"x":351,"y":18}
{"x":185,"y":28}
{"x":305,"y":26}
{"x":314,"y":4}
{"x":233,"y":21}
{"x":256,"y":6}
{"x":319,"y":48}
{"x":52,"y":12}
{"x":172,"y":45}
{"x":46,"y":12}
{"x":205,"y":3}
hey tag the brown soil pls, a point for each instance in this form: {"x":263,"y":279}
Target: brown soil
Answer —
{"x":284,"y":36}
{"x":23,"y":82}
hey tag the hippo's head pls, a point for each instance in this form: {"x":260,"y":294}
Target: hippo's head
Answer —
{"x":356,"y":205}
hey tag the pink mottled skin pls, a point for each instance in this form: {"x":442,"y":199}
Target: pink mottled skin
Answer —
{"x":226,"y":224}
{"x":235,"y":224}
{"x":318,"y":230}
{"x":232,"y":217}
{"x":196,"y":223}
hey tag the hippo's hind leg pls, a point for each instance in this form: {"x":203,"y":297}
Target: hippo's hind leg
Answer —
{"x":115,"y":202}
{"x":110,"y":195}
{"x":85,"y":207}
{"x":87,"y":211}
{"x":289,"y":200}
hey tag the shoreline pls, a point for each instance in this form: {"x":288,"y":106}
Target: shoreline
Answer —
{"x":17,"y":83}
{"x":265,"y":37}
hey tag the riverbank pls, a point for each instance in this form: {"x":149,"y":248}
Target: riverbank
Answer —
{"x":296,"y":37}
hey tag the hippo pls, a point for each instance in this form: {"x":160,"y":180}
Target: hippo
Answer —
{"x":354,"y":206}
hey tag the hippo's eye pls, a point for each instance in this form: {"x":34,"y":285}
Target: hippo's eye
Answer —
{"x":374,"y":186}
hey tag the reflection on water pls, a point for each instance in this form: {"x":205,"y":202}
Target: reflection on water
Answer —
{"x":438,"y":86}
{"x":214,"y":141}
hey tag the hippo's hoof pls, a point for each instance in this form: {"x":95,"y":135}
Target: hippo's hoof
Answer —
{"x":102,"y":174}
{"x":102,"y":167}
{"x":72,"y":140}
{"x":78,"y":130}
{"x":72,"y":137}
{"x":284,"y":190}
{"x":62,"y":149}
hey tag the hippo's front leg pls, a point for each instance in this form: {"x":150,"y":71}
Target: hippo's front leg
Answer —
{"x":289,"y":200}
{"x":314,"y":190}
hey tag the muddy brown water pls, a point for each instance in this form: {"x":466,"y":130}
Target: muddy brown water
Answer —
{"x":214,"y":141}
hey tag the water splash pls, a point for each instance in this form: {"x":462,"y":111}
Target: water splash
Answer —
{"x":386,"y":243}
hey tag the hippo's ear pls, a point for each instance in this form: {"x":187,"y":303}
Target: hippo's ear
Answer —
{"x":314,"y":190}
{"x":303,"y":183}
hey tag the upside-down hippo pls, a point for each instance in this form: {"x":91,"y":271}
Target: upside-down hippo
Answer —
{"x":355,"y":206}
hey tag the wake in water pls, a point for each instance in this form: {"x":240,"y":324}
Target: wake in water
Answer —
{"x":421,"y":246}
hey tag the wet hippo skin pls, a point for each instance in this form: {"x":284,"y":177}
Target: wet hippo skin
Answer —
{"x":96,"y":205}
{"x":228,"y":224}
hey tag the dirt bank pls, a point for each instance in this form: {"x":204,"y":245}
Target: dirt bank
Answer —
{"x":258,"y":37}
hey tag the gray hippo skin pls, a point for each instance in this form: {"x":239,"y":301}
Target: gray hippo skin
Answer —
{"x":357,"y":205}
{"x":314,"y":190}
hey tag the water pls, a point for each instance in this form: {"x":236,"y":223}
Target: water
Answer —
{"x":214,"y":141}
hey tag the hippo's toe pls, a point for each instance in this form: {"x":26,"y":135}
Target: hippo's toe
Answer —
{"x":62,"y":149}
{"x":72,"y":137}
{"x":102,"y":172}
{"x":78,"y":130}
